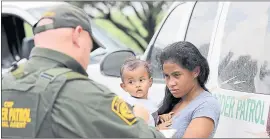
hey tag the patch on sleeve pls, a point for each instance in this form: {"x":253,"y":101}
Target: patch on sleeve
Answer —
{"x":121,"y":108}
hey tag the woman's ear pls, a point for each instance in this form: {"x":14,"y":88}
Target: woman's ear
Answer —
{"x":196,"y":72}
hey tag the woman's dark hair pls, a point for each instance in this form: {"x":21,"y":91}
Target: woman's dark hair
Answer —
{"x":186,"y":55}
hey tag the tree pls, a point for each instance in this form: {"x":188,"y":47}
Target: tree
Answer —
{"x":140,"y":26}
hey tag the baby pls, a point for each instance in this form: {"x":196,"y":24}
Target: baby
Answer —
{"x":136,"y":80}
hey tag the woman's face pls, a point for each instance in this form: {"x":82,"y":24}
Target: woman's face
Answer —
{"x":180,"y":81}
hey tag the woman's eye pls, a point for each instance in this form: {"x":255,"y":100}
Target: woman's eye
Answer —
{"x":176,"y":75}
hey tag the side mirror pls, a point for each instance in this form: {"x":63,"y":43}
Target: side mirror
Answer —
{"x":27,"y":46}
{"x":112,"y":62}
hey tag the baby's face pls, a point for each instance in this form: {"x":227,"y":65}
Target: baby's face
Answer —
{"x":136,"y":82}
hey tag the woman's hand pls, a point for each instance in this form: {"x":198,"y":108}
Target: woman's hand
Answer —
{"x":164,"y":125}
{"x":165,"y":117}
{"x":140,"y":111}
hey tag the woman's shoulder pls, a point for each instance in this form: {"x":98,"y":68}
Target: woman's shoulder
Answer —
{"x":207,"y":101}
{"x":204,"y":104}
{"x":207,"y":97}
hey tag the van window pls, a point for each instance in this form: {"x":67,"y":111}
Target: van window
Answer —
{"x":6,"y":56}
{"x":244,"y":60}
{"x":201,"y":25}
{"x":199,"y":32}
{"x":166,"y":36}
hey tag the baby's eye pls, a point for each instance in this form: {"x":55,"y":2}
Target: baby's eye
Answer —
{"x":141,"y":80}
{"x":130,"y":82}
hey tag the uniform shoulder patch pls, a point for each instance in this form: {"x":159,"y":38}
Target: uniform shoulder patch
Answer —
{"x":122,"y":109}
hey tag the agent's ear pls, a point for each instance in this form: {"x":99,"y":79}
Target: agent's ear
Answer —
{"x":76,"y":35}
{"x":196,"y":72}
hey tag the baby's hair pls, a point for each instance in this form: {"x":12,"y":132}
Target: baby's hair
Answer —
{"x":133,"y":63}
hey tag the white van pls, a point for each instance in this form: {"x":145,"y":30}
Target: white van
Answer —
{"x":235,"y":39}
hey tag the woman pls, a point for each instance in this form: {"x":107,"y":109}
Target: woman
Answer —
{"x":194,"y":112}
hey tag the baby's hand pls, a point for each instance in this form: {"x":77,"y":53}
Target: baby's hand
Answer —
{"x":166,"y":117}
{"x":164,"y":125}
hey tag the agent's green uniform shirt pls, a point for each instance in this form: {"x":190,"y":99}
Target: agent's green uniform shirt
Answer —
{"x":84,"y":108}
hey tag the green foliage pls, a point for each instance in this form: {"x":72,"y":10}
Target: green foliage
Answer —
{"x":118,"y":34}
{"x":28,"y":30}
{"x":134,"y":30}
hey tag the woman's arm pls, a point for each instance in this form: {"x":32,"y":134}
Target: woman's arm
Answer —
{"x":199,"y":128}
{"x":205,"y":119}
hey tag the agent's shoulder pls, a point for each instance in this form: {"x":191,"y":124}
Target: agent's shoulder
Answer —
{"x":87,"y":92}
{"x":83,"y":84}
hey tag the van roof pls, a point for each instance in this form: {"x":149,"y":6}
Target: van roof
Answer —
{"x":28,"y":5}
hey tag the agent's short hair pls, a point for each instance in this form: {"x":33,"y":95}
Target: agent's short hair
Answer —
{"x":133,"y":63}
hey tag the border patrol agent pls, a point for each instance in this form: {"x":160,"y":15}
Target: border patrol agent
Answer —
{"x":50,"y":95}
